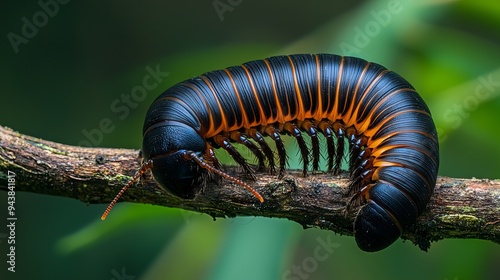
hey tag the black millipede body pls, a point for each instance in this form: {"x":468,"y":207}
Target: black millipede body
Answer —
{"x":391,"y":137}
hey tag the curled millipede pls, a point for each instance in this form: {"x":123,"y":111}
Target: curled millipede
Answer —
{"x":390,"y":135}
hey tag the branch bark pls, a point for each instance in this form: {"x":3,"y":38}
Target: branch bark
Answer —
{"x":459,"y":208}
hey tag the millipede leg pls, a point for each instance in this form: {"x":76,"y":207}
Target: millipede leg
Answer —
{"x":224,"y":143}
{"x":360,"y":197}
{"x":212,"y":160}
{"x":295,"y":132}
{"x":339,"y":131}
{"x":354,"y":150}
{"x":328,"y":133}
{"x":210,"y":157}
{"x":360,"y":166}
{"x":360,"y":180}
{"x":243,"y":139}
{"x":259,"y":138}
{"x":308,"y":126}
{"x":275,"y":135}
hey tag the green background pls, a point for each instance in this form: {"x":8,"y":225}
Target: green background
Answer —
{"x":84,"y":55}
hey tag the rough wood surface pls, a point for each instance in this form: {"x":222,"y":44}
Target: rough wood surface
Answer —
{"x":459,"y":208}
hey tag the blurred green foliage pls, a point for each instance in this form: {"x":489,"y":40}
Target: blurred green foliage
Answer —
{"x":86,"y":56}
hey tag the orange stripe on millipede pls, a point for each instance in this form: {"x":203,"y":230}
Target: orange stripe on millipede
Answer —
{"x":206,"y":131}
{"x":246,"y":123}
{"x":224,"y":123}
{"x":362,"y":126}
{"x":350,"y":117}
{"x":275,"y":92}
{"x":334,"y":113}
{"x":371,"y":132}
{"x":300,"y":106}
{"x":263,"y":118}
{"x":319,"y":111}
{"x":371,"y":117}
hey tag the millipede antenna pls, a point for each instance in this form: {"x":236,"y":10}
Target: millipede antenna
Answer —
{"x":145,"y":167}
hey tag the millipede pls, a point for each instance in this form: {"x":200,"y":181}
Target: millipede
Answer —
{"x":368,"y":115}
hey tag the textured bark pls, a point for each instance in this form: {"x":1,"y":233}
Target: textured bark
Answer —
{"x":459,"y":208}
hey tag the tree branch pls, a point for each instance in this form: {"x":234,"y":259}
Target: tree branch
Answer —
{"x":459,"y":208}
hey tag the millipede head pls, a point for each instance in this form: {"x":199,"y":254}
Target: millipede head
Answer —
{"x":165,"y":144}
{"x":188,"y":155}
{"x":174,"y":152}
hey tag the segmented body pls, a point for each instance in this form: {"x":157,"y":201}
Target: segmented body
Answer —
{"x":391,"y":136}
